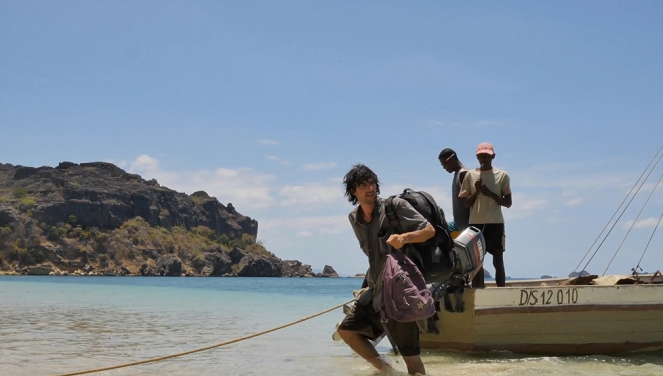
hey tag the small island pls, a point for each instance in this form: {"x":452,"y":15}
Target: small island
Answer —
{"x":97,"y":219}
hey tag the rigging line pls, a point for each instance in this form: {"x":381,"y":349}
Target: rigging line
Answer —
{"x":208,"y":347}
{"x":616,"y":211}
{"x":650,"y":238}
{"x":622,"y":213}
{"x":633,"y":224}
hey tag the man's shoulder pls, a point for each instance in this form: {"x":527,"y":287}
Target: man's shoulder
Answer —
{"x":396,"y":201}
{"x":352,"y":216}
{"x":499,"y":172}
{"x":476,"y":172}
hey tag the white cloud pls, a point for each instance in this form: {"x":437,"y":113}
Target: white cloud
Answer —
{"x":144,"y":163}
{"x":265,"y":141}
{"x":442,"y":123}
{"x":311,"y":195}
{"x":574,"y":202}
{"x":488,"y":123}
{"x":279,"y":160}
{"x":319,"y":166}
{"x":305,"y":226}
{"x":643,"y":223}
{"x":524,"y":206}
{"x":242,"y":187}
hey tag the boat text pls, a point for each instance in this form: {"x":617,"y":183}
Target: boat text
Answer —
{"x":548,"y":297}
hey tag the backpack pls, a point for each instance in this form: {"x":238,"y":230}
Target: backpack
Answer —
{"x":405,"y":296}
{"x":435,"y":257}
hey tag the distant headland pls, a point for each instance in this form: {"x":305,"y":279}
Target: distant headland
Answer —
{"x":96,"y":219}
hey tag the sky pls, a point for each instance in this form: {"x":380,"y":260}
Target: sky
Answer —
{"x":267,"y":104}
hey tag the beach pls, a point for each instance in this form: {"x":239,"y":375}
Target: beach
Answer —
{"x":55,"y":325}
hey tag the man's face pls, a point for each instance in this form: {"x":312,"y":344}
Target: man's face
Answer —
{"x":366,"y":192}
{"x":485,"y":158}
{"x":448,"y":163}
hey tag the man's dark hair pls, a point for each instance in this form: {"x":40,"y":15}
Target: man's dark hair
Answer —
{"x":446,"y":153}
{"x":358,"y":175}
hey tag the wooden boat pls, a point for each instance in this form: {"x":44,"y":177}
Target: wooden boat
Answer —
{"x":542,"y":317}
{"x":579,"y":316}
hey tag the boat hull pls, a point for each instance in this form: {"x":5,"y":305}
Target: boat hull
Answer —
{"x":554,"y":320}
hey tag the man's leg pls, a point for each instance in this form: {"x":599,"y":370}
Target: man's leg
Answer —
{"x":414,"y":365}
{"x":406,"y":337}
{"x":363,"y":347}
{"x":478,"y":280}
{"x":500,"y":274}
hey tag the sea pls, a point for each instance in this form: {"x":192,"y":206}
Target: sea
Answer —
{"x":57,"y":325}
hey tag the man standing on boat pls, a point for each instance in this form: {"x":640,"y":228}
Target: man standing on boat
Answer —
{"x":486,"y":189}
{"x":450,"y":162}
{"x":371,"y":227}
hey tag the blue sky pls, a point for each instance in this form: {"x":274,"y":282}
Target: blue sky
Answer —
{"x":266,"y":105}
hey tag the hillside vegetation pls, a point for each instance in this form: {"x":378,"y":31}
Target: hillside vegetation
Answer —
{"x":95,"y":218}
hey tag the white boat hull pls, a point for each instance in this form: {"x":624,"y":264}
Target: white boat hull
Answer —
{"x":554,"y":320}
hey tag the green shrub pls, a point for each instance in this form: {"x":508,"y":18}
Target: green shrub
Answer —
{"x":103,"y":259}
{"x":22,"y":255}
{"x":5,"y":232}
{"x":20,"y":192}
{"x":71,"y":220}
{"x":76,"y":232}
{"x":54,"y":234}
{"x":27,"y":202}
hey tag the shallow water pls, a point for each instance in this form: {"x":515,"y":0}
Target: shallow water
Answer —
{"x":56,"y":325}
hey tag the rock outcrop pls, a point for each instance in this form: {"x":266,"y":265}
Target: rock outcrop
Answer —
{"x":328,"y":271}
{"x":104,"y":196}
{"x":295,"y":268}
{"x":97,"y":219}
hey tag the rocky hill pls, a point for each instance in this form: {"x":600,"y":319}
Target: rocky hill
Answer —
{"x":95,"y":218}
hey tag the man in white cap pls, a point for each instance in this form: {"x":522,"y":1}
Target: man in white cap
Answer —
{"x":486,"y":189}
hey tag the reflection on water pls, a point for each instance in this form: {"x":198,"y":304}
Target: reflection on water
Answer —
{"x":53,"y":326}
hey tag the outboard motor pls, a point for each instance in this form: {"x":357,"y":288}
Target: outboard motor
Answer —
{"x":469,"y":249}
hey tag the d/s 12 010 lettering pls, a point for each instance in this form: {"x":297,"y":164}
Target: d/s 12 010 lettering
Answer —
{"x":548,"y":297}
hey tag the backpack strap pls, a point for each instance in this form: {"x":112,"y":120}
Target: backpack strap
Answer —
{"x":441,"y":227}
{"x":395,"y":225}
{"x":383,"y":320}
{"x":392,"y":217}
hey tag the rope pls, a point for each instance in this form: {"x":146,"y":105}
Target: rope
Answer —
{"x":613,"y":215}
{"x":647,"y":246}
{"x":633,"y":224}
{"x":627,"y":205}
{"x":153,"y":360}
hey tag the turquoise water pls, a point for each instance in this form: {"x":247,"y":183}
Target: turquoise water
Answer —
{"x":56,"y":325}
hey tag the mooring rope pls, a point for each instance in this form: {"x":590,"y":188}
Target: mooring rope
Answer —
{"x":153,"y":360}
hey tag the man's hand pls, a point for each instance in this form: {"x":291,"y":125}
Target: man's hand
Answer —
{"x":396,"y":241}
{"x":487,"y":192}
{"x":478,"y":185}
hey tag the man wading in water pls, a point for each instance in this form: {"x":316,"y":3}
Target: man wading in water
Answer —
{"x":372,"y":229}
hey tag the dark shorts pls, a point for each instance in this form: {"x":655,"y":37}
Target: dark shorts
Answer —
{"x":493,"y":233}
{"x":366,"y":321}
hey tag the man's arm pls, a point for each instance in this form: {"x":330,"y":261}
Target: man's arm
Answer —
{"x":418,"y":236}
{"x":471,"y":199}
{"x":461,"y":179}
{"x":500,"y":200}
{"x":419,"y":228}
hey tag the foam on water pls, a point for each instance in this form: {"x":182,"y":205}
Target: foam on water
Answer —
{"x":55,"y":325}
